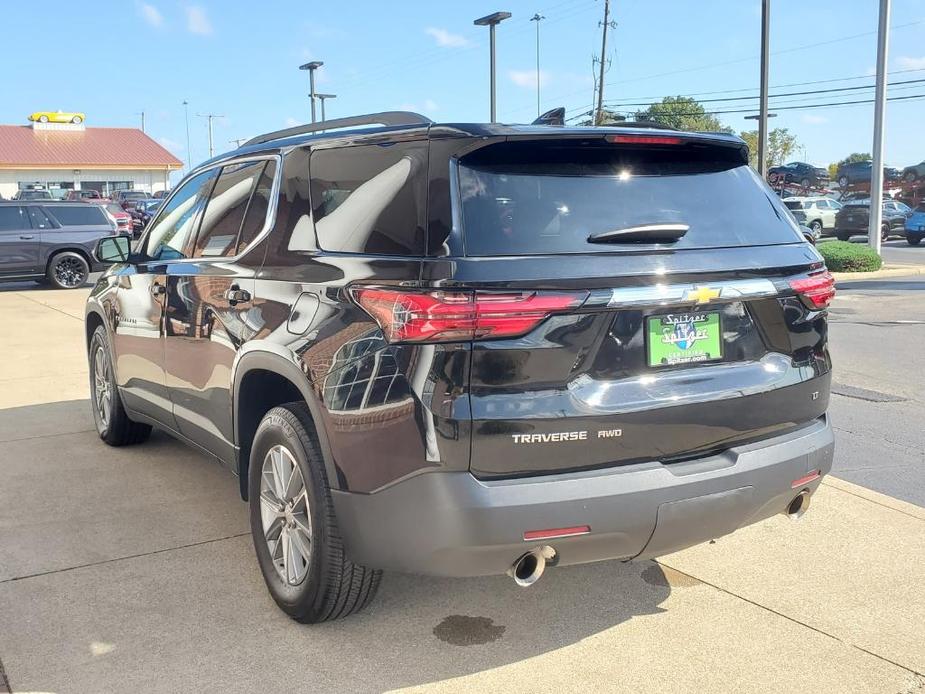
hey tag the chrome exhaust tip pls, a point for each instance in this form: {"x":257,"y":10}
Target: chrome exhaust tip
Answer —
{"x":529,"y":567}
{"x":799,"y":505}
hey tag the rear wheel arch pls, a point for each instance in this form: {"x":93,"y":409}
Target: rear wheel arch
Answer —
{"x":93,"y":320}
{"x":82,"y":252}
{"x":262,"y":381}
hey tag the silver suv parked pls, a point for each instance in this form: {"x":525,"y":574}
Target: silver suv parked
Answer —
{"x":51,"y":241}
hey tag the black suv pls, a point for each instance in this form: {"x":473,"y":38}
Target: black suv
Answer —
{"x":473,"y":349}
{"x":51,"y":241}
{"x":854,"y":218}
{"x":799,"y":172}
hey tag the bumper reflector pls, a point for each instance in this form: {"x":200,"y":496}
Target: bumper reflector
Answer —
{"x":553,"y":533}
{"x":814,"y":475}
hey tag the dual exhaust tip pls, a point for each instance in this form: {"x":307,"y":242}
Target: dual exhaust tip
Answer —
{"x":529,"y":567}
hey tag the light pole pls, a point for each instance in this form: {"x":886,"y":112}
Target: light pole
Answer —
{"x":876,"y":181}
{"x":189,"y":164}
{"x":537,"y":18}
{"x":763,"y":108}
{"x":761,"y":159}
{"x":322,"y":97}
{"x":311,"y":67}
{"x":491,"y":21}
{"x":210,"y":116}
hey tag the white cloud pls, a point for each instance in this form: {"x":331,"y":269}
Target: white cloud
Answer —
{"x":909,"y":63}
{"x":427,"y":106}
{"x":813,"y":119}
{"x":292,"y":122}
{"x":170,"y":145}
{"x":196,"y":21}
{"x":445,"y":38}
{"x":151,"y":15}
{"x":430,"y":105}
{"x":527,"y":78}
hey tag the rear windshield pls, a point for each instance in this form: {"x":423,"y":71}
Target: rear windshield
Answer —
{"x":78,"y":215}
{"x":134,"y":195}
{"x":528,"y":199}
{"x":796,"y":204}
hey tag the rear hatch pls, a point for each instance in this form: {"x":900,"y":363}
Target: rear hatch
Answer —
{"x":670,"y":308}
{"x":853,"y":216}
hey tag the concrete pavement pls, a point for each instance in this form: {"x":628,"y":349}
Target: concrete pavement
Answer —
{"x":132,"y":570}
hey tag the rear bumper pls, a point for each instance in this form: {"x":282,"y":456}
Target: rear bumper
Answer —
{"x":451,"y":524}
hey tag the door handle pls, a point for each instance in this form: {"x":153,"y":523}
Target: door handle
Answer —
{"x":27,"y":237}
{"x":235,"y":295}
{"x":158,"y":289}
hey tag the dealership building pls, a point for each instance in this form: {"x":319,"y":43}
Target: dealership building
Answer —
{"x":59,"y":157}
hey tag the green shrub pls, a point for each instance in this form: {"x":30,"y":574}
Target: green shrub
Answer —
{"x":843,"y":256}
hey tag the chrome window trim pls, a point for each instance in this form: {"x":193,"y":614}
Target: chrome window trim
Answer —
{"x":267,"y":223}
{"x":672,"y":294}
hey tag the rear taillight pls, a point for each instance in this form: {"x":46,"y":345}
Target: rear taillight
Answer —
{"x":816,"y":291}
{"x":453,"y":316}
{"x":644,"y":139}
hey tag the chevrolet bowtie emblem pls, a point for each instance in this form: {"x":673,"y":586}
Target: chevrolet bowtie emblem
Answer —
{"x":702,"y":295}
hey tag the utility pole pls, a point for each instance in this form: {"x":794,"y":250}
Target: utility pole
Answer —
{"x":537,"y":18}
{"x":311,"y":67}
{"x":763,"y":98}
{"x":322,"y":97}
{"x":189,"y":164}
{"x":876,"y":182}
{"x":142,"y":114}
{"x":210,"y":117}
{"x":491,"y":21}
{"x":605,"y":25}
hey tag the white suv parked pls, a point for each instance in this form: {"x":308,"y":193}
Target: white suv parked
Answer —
{"x":819,"y":211}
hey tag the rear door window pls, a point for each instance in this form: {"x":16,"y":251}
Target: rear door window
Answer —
{"x":370,"y":199}
{"x":526,"y":198}
{"x":224,"y":213}
{"x":78,"y":215}
{"x":39,"y":219}
{"x":12,"y":218}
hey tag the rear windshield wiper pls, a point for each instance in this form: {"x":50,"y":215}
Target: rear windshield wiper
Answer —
{"x":647,"y":233}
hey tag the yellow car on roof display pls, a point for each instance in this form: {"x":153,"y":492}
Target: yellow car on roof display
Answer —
{"x":56,"y":117}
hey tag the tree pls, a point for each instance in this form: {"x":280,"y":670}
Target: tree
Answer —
{"x":781,"y":144}
{"x":608,"y":117}
{"x":683,"y":113}
{"x":855,"y":156}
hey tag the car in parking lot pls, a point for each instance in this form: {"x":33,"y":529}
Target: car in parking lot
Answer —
{"x":818,"y":213}
{"x":861,"y":172}
{"x":799,"y":172}
{"x":142,"y":212}
{"x":33,"y":194}
{"x":472,"y":349}
{"x":57,"y":117}
{"x":854,"y":218}
{"x":122,"y":219}
{"x":89,"y":194}
{"x":915,"y":225}
{"x":128,"y":198}
{"x":51,"y":241}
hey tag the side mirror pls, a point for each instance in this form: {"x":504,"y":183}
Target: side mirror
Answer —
{"x":113,"y":249}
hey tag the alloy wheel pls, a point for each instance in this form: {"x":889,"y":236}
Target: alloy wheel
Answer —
{"x":102,"y":388}
{"x":285,"y":515}
{"x":70,"y":272}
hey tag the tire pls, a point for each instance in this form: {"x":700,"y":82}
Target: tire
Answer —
{"x":112,"y":422}
{"x":77,"y":120}
{"x":772,"y":178}
{"x":842,"y":181}
{"x":816,"y":226}
{"x":842,"y":236}
{"x":910,"y":177}
{"x":884,"y":232}
{"x":325,"y":585}
{"x":805,"y":183}
{"x":913,"y":240}
{"x":67,"y":270}
{"x":43,"y":119}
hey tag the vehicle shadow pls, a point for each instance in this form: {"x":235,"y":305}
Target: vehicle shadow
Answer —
{"x":147,"y":581}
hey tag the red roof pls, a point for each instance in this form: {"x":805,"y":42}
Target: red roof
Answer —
{"x":20,"y":145}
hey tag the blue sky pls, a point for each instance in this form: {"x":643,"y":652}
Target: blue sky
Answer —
{"x":115,"y":59}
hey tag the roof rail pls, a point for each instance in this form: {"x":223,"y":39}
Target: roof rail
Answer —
{"x":640,"y":124}
{"x":384,"y":118}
